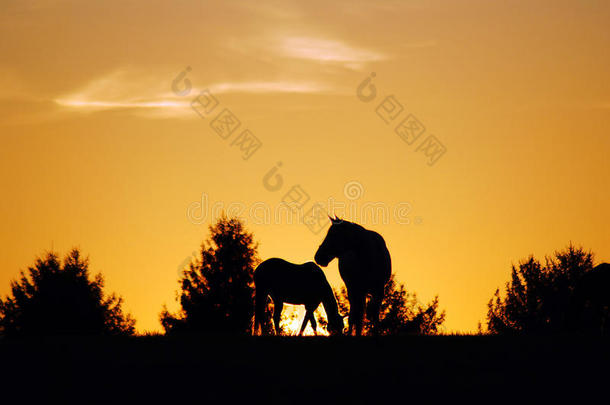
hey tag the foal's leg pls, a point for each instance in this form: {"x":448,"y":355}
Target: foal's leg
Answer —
{"x":277,"y":315}
{"x":305,"y":320}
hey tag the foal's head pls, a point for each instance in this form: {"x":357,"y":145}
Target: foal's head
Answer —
{"x":335,"y":325}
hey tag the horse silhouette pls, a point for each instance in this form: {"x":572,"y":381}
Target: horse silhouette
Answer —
{"x":364,"y":264}
{"x":300,"y":284}
{"x":592,"y":295}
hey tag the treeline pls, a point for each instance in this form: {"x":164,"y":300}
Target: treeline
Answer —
{"x":216,"y":293}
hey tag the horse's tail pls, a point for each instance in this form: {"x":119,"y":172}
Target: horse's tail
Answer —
{"x":260,"y":301}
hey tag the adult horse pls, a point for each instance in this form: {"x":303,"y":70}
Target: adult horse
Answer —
{"x":364,"y":264}
{"x":300,"y":284}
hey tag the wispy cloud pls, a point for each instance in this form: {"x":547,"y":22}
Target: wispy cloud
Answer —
{"x":123,"y":90}
{"x":270,"y":87}
{"x":118,"y":104}
{"x":149,"y":96}
{"x":326,"y":50}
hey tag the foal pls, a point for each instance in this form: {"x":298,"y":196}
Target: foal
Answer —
{"x":299,"y":284}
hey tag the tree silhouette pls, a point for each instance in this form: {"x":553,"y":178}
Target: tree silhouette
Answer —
{"x":217,"y":288}
{"x":401,"y":312}
{"x":592,"y":300}
{"x":540,"y":297}
{"x":59,"y":298}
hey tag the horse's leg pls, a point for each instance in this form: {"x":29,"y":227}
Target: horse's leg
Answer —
{"x":350,"y":315}
{"x":372,"y":310}
{"x":356,"y":312}
{"x":277,"y":315}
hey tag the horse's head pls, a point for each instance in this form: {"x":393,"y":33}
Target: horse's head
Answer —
{"x":331,"y":247}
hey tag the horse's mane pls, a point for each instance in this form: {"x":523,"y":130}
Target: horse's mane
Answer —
{"x":352,"y":226}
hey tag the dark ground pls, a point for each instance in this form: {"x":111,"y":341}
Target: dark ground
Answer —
{"x":221,"y":369}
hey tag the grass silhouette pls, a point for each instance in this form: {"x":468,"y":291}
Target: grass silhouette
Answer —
{"x":214,"y":368}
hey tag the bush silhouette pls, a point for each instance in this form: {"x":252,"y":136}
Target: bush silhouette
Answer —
{"x":401,"y":312}
{"x":217,"y":290}
{"x":541,"y":298}
{"x":59,"y":298}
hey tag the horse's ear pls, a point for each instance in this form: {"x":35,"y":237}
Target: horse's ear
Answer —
{"x":334,"y":220}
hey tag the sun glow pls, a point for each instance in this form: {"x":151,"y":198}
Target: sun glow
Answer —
{"x":292,"y":319}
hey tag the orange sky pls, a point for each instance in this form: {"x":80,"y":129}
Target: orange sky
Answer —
{"x":98,"y":151}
